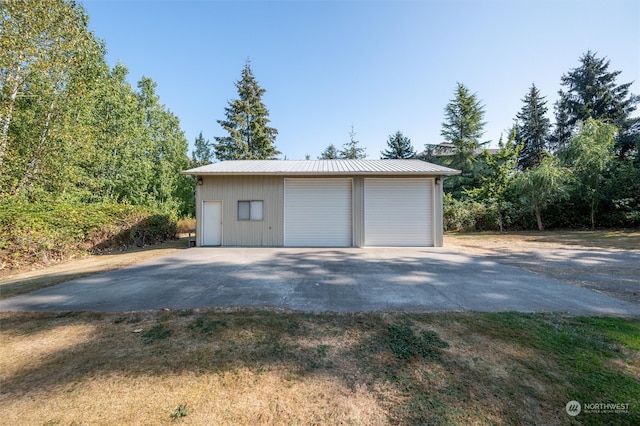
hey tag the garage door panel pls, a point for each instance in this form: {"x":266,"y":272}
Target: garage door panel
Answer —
{"x":318,"y":213}
{"x":398,"y":212}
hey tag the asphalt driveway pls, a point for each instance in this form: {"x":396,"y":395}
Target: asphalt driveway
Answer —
{"x":342,"y":280}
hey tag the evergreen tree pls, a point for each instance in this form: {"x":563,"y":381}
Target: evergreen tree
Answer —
{"x":399,"y":147}
{"x":352,"y":150}
{"x":592,"y":92}
{"x":331,"y":153}
{"x":532,"y":129}
{"x":250,"y":137}
{"x":463,"y":127}
{"x":202,"y":154}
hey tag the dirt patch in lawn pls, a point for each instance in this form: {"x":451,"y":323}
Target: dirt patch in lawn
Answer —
{"x":604,"y":261}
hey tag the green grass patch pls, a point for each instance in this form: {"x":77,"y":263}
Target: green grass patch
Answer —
{"x":584,"y":351}
{"x":157,"y":332}
{"x":205,"y":325}
{"x":405,"y":344}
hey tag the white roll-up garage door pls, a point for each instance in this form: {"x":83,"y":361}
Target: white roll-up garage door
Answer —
{"x":398,"y":212}
{"x":317,"y":213}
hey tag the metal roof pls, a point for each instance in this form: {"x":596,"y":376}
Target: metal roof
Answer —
{"x":322,"y":167}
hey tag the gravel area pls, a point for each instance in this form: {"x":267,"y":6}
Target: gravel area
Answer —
{"x":592,"y":263}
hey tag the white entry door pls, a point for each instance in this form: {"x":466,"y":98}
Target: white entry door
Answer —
{"x":212,"y":223}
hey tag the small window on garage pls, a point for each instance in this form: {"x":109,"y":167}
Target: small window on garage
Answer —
{"x":250,"y":210}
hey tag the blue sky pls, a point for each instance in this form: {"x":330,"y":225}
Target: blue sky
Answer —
{"x":379,"y":66}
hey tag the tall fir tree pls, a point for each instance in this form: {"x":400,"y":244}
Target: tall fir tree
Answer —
{"x":399,"y":147}
{"x":463,"y":128}
{"x":247,"y":122}
{"x":592,"y":92}
{"x":352,"y":150}
{"x":532,"y":129}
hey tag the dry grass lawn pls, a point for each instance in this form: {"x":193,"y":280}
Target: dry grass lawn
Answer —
{"x":628,"y":239}
{"x":272,"y":367}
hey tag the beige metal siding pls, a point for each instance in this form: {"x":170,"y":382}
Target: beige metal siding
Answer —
{"x":231,"y":189}
{"x":358,"y":211}
{"x":317,"y":213}
{"x":398,"y":212}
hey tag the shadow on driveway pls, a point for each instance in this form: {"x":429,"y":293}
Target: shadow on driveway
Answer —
{"x":341,"y":280}
{"x":609,"y":271}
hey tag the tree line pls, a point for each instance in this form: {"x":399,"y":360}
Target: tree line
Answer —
{"x":581,"y":171}
{"x":73,"y":128}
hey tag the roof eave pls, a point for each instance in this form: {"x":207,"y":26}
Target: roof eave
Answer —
{"x":302,"y":173}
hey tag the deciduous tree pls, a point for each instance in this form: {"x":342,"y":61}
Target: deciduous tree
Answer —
{"x":543,"y":185}
{"x":589,"y":155}
{"x":49,"y":61}
{"x":502,"y":170}
{"x":169,"y":147}
{"x":118,"y":165}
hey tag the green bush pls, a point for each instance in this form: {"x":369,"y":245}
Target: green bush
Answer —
{"x":468,"y":215}
{"x":33,"y":233}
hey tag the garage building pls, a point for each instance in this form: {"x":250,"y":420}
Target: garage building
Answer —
{"x":319,"y":203}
